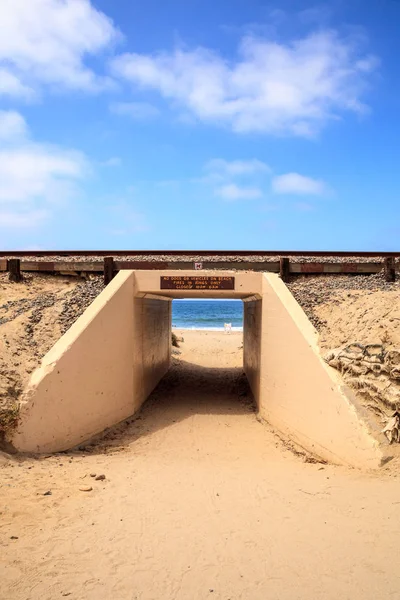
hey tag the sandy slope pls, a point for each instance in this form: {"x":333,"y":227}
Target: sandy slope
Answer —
{"x":366,"y":317}
{"x":200,"y":501}
{"x":34,"y":314}
{"x":31,"y":307}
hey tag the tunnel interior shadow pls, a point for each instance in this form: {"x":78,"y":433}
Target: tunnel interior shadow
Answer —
{"x":187,"y":389}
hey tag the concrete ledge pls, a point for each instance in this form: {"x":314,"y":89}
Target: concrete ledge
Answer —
{"x":300,"y":394}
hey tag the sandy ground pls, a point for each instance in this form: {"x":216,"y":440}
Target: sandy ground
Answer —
{"x":360,"y":316}
{"x":200,"y":500}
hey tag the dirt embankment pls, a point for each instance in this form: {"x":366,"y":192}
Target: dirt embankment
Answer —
{"x":33,"y":316}
{"x":358,"y":319}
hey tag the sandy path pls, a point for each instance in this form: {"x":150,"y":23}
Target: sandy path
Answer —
{"x":200,"y":501}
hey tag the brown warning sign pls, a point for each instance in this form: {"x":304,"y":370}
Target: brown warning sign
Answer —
{"x":188,"y":282}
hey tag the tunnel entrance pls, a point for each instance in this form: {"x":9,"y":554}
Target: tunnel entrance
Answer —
{"x":219,"y":318}
{"x":205,"y":384}
{"x":108,"y":363}
{"x":206,"y":376}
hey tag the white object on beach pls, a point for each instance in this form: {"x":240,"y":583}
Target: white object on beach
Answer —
{"x":227,"y":327}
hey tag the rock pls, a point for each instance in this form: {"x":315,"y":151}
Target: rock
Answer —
{"x":100,"y":477}
{"x":376,"y":377}
{"x":392,"y":357}
{"x":392,"y":428}
{"x":395,"y":373}
{"x":92,"y":474}
{"x":85,"y":488}
{"x":14,"y":537}
{"x":48,"y":493}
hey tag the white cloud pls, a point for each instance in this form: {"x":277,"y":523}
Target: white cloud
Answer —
{"x":235,"y":192}
{"x":10,"y":85}
{"x":293,"y":88}
{"x":139,"y":111}
{"x":12,"y":125}
{"x":46,"y":42}
{"x":34,"y":177}
{"x":294,"y":183}
{"x":224,"y":175}
{"x":36,"y":171}
{"x":219,"y":170}
{"x":248,"y":179}
{"x":237,"y":167}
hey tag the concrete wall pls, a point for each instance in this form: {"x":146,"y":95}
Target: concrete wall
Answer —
{"x":153,"y":347}
{"x":98,"y":373}
{"x":252,"y":329}
{"x":302,"y":396}
{"x":107,"y":364}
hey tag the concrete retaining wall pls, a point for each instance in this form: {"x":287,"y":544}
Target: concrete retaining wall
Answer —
{"x":106,"y":365}
{"x":252,"y":330}
{"x":302,"y":396}
{"x":98,"y":373}
{"x":152,"y":345}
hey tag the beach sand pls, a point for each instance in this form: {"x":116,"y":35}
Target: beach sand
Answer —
{"x":200,"y":501}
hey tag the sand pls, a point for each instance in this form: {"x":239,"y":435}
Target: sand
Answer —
{"x":357,"y":319}
{"x":200,"y":501}
{"x":360,"y":316}
{"x":33,"y":316}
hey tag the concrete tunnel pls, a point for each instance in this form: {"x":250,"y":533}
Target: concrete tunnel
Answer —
{"x":106,"y":365}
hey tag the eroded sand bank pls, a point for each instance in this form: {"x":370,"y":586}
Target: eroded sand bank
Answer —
{"x":200,"y":501}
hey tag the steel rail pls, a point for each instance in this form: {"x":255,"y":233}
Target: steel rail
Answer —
{"x":339,"y":254}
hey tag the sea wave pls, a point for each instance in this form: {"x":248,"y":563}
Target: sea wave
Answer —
{"x":194,"y":328}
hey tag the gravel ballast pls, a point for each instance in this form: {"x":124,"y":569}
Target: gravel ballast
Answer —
{"x":197,"y":257}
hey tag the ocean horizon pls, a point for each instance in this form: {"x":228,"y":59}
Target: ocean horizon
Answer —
{"x":207,"y":314}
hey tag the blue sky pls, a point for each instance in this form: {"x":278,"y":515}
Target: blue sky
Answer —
{"x":194,"y":124}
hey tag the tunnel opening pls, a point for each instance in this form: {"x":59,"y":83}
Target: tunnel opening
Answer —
{"x":205,"y":383}
{"x":200,"y":394}
{"x":206,"y":374}
{"x":215,"y":359}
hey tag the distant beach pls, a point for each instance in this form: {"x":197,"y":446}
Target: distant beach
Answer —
{"x":207,"y":314}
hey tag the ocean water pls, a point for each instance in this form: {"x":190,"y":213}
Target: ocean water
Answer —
{"x":207,"y":314}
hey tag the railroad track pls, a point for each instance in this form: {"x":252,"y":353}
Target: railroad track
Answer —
{"x":284,"y":262}
{"x":277,"y":253}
